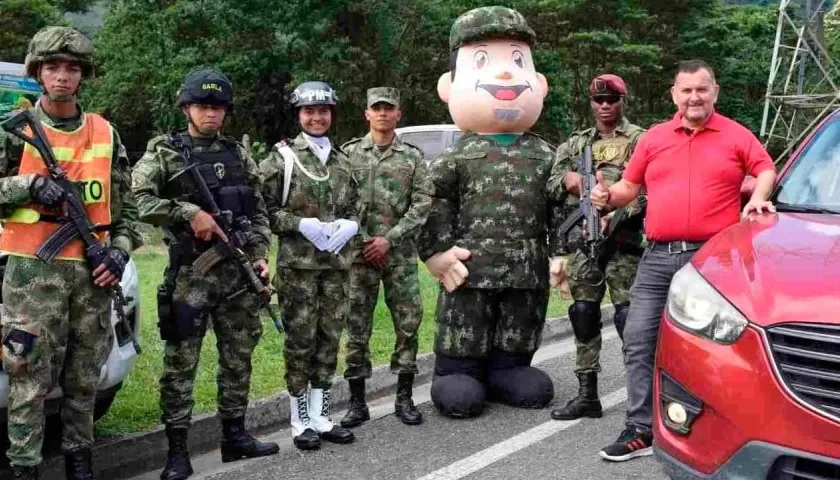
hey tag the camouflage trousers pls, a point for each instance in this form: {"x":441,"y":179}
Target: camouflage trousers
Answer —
{"x":471,"y":322}
{"x":589,"y":283}
{"x":402,"y":296}
{"x":314,"y":307}
{"x":67,"y":319}
{"x":238,"y":328}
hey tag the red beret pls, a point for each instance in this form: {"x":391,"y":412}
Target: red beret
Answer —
{"x":607,"y":83}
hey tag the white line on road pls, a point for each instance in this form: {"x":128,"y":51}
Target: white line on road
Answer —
{"x":209,"y":465}
{"x":488,"y":456}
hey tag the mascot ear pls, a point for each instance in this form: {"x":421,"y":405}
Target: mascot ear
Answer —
{"x":543,"y":83}
{"x":444,"y":85}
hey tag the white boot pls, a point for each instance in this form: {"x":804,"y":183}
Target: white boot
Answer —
{"x":319,"y":408}
{"x":303,"y":435}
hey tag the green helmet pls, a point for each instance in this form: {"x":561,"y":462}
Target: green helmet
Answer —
{"x":490,"y":22}
{"x":207,"y":86}
{"x":59,"y":44}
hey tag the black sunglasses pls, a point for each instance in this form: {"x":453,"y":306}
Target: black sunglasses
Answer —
{"x":611,"y":99}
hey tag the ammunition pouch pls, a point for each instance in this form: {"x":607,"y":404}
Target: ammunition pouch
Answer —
{"x":240,"y":200}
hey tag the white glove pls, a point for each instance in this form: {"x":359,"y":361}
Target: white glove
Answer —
{"x":346,"y":230}
{"x":313,"y":230}
{"x":329,"y":228}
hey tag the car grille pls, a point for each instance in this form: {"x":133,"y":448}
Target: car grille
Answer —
{"x":796,"y":468}
{"x":807,"y":358}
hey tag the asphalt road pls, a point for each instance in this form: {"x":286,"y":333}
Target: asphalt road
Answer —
{"x":503,"y":443}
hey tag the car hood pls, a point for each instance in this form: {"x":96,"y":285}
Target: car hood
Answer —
{"x":780,"y":268}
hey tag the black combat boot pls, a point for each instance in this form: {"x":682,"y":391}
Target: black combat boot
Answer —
{"x":178,"y":466}
{"x":77,"y":465}
{"x":238,"y":443}
{"x":404,"y":407}
{"x":358,"y":411}
{"x":24,"y":473}
{"x":586,"y":404}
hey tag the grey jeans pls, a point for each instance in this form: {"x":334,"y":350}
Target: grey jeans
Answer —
{"x":648,"y":297}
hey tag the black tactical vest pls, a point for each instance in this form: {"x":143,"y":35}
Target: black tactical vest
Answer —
{"x":224,"y":175}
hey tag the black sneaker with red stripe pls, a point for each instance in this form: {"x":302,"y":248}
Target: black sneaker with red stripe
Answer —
{"x":630,"y":444}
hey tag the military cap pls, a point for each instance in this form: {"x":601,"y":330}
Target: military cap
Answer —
{"x":490,"y":22}
{"x":606,"y":84}
{"x":383,"y":94}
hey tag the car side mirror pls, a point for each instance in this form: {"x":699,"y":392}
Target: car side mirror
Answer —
{"x":747,"y":189}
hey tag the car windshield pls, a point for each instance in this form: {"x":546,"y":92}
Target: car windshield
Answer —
{"x":813,"y":181}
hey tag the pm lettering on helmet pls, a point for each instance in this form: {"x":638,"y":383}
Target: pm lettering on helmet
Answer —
{"x":211,"y":86}
{"x":317,"y":95}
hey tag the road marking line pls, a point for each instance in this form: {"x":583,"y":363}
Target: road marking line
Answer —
{"x":490,"y":455}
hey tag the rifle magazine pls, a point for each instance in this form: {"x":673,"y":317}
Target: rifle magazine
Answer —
{"x":57,"y":241}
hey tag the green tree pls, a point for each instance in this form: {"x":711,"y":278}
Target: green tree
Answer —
{"x":19,"y":20}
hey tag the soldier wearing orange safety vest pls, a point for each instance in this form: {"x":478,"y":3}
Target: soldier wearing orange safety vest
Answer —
{"x":56,"y":320}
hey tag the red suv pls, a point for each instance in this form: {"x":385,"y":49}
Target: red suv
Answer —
{"x":747,"y":374}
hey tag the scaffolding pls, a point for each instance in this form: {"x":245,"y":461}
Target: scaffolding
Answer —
{"x":803,"y":85}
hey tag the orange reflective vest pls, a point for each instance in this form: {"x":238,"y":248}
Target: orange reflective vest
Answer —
{"x":85,"y":154}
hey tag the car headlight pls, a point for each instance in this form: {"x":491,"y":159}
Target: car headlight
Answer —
{"x":694,"y":305}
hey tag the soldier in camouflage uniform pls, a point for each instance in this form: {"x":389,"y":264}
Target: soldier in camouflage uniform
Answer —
{"x":395,"y":198}
{"x":612,"y":139}
{"x":486,"y":237}
{"x":312,"y":204}
{"x":187,"y":299}
{"x":57,"y":319}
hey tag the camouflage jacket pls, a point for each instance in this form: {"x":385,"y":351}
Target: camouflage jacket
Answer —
{"x":492,"y":200}
{"x":609,"y":155}
{"x":163,"y":202}
{"x":395,"y":195}
{"x":332,"y":199}
{"x":14,"y":188}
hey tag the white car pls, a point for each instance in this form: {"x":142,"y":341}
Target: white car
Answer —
{"x":432,"y":139}
{"x":121,"y":358}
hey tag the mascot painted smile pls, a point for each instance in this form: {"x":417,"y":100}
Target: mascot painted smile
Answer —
{"x":486,"y":236}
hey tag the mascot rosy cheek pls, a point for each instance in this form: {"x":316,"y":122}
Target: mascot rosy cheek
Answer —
{"x":494,"y":94}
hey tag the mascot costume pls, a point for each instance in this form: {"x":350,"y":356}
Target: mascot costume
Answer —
{"x":486,"y":239}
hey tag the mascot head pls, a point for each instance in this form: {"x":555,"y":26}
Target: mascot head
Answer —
{"x":492,"y":85}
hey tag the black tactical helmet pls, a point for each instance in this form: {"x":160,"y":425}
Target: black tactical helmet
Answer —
{"x":207,"y":86}
{"x":313,"y":93}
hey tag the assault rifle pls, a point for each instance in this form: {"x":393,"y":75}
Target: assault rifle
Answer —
{"x":236,"y":230}
{"x":587,"y":210}
{"x":75,"y":223}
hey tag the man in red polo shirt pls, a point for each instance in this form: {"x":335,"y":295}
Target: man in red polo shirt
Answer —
{"x":692,"y":168}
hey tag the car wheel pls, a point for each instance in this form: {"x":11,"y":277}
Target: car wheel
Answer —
{"x":104,"y":400}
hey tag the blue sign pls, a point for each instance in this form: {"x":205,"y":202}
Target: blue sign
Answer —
{"x":19,"y":84}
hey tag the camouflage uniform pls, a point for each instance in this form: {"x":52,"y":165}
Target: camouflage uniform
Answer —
{"x":168,"y":196}
{"x":491,"y":199}
{"x":620,"y":256}
{"x":508,"y":267}
{"x":395,"y":198}
{"x":61,"y":302}
{"x":394,"y":202}
{"x":313,"y":285}
{"x":165,"y":202}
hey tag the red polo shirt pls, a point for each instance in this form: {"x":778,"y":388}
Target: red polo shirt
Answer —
{"x":693,"y":179}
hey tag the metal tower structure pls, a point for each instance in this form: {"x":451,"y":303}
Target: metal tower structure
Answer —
{"x":804,"y":82}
